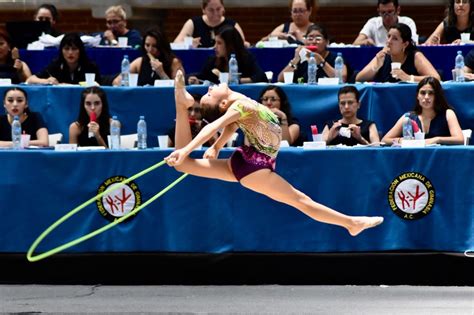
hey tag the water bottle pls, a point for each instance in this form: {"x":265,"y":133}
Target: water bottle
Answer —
{"x":312,"y":69}
{"x":233,"y":70}
{"x":141,"y":132}
{"x":125,"y":72}
{"x":459,"y":66}
{"x":114,"y":134}
{"x":407,"y":128}
{"x":16,"y":133}
{"x":338,"y":68}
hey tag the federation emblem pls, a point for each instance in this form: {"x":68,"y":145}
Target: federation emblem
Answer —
{"x":411,"y":196}
{"x":119,"y":202}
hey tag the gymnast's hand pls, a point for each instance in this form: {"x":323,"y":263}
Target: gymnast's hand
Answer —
{"x":211,"y":153}
{"x":176,"y":157}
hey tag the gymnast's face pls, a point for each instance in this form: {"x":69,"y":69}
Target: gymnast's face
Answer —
{"x":93,"y":103}
{"x":15,"y":103}
{"x":215,"y":95}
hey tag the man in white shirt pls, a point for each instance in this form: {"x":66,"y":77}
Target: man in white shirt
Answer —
{"x":374,"y":32}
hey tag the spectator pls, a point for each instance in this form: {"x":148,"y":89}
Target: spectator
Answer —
{"x":71,"y":65}
{"x":400,"y":48}
{"x":157,"y":62}
{"x":275,"y":98}
{"x":469,"y":66}
{"x":229,"y":41}
{"x":116,"y":21}
{"x":350,"y":130}
{"x":195,"y":122}
{"x":11,"y":67}
{"x":204,"y":28}
{"x":375,"y":30}
{"x":317,"y":40}
{"x":295,"y":30}
{"x":85,"y":131}
{"x":433,"y":115}
{"x":15,"y":101}
{"x":459,"y":20}
{"x":48,"y":12}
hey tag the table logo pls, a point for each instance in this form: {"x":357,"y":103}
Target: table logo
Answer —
{"x":119,"y":202}
{"x":411,"y":196}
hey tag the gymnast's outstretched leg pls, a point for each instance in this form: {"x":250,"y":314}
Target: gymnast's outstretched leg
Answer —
{"x":274,"y":186}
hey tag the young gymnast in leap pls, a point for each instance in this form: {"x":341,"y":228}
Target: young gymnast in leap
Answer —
{"x":253,"y":166}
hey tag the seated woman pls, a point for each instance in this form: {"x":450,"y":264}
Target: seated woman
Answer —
{"x":469,"y":66}
{"x":275,"y":98}
{"x":203,"y":29}
{"x":295,"y":30}
{"x":459,"y":20}
{"x":15,"y":101}
{"x":229,"y":41}
{"x":93,"y":122}
{"x":195,"y":122}
{"x":350,"y":130}
{"x":316,"y":37}
{"x":48,"y":12}
{"x":11,"y":67}
{"x":158,"y":62}
{"x":433,"y":115}
{"x":400,"y":48}
{"x":71,"y":65}
{"x":116,"y":21}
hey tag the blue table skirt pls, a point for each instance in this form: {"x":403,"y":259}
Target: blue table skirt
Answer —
{"x":203,"y":215}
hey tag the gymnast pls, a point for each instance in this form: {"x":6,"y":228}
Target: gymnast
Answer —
{"x":253,"y":165}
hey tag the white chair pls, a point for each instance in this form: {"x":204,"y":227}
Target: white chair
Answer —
{"x":55,"y":138}
{"x":467,"y":135}
{"x":128,"y":141}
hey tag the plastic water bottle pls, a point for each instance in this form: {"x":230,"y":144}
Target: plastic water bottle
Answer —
{"x":459,"y":66}
{"x":16,"y":133}
{"x":141,"y":132}
{"x":114,"y":134}
{"x":312,"y":69}
{"x":338,"y":67}
{"x":125,"y":81}
{"x":407,"y":128}
{"x":233,"y":70}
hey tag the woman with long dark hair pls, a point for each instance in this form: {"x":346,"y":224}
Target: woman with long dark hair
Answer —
{"x":400,"y":48}
{"x":15,"y":102}
{"x":433,"y":115}
{"x":275,"y":98}
{"x":11,"y":67}
{"x":460,"y":15}
{"x":229,"y":41}
{"x":71,"y":65}
{"x":93,"y":122}
{"x":158,"y":62}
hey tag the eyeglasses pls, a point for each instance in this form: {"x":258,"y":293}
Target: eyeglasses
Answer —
{"x":462,"y":1}
{"x":315,"y":38}
{"x":387,"y":13}
{"x":269,"y":99}
{"x":298,"y":11}
{"x":426,"y":92}
{"x":110,"y":22}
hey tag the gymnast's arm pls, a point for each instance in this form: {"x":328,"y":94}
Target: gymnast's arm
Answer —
{"x":228,"y":132}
